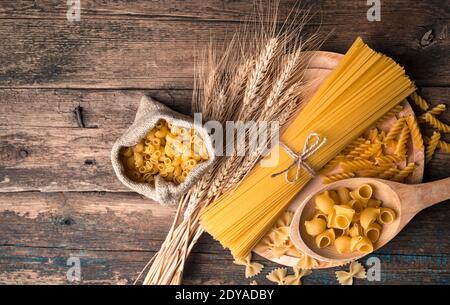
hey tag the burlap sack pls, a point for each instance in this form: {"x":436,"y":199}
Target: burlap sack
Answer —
{"x":148,"y":114}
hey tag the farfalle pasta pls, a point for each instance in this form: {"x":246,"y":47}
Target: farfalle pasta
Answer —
{"x":277,"y":240}
{"x":307,"y":262}
{"x":356,"y":271}
{"x":277,"y":276}
{"x":279,"y":235}
{"x":251,"y":268}
{"x":295,"y":279}
{"x":281,"y":277}
{"x":351,"y":223}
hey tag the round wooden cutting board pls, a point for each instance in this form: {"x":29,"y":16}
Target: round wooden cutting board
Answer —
{"x":321,"y":65}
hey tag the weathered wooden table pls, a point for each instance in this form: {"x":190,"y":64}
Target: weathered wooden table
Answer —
{"x":59,"y":197}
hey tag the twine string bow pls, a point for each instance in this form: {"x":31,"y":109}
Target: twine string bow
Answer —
{"x":299,"y":159}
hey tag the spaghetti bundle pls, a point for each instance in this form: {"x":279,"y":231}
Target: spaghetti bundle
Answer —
{"x":363,"y":87}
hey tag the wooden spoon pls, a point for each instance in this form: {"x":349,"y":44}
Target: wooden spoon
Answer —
{"x":406,"y":200}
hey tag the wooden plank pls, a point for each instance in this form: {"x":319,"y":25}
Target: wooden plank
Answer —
{"x":113,"y":109}
{"x":90,"y":220}
{"x":39,"y":131}
{"x":114,"y":235}
{"x":49,"y":266}
{"x":105,"y":52}
{"x":42,"y":148}
{"x":150,"y":45}
{"x":210,"y":10}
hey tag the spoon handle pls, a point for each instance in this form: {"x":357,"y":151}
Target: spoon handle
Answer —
{"x":424,"y":195}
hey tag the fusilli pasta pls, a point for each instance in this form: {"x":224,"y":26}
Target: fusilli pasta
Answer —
{"x":444,"y":146}
{"x":415,"y":132}
{"x":436,"y":123}
{"x":431,"y":147}
{"x":405,"y":172}
{"x":400,"y":149}
{"x":395,"y":130}
{"x":419,"y":101}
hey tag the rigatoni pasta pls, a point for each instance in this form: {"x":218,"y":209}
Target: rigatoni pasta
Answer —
{"x":164,"y":151}
{"x":353,"y":225}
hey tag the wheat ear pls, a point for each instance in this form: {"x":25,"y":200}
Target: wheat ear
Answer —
{"x":256,"y":80}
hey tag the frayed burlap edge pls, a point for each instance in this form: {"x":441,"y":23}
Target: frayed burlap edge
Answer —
{"x":148,"y":114}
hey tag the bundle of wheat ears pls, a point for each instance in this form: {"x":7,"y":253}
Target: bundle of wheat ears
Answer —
{"x":258,"y":77}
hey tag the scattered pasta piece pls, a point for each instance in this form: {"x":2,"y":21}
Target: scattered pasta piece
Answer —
{"x":285,"y":219}
{"x":431,"y":147}
{"x":280,"y":235}
{"x":277,"y":276}
{"x":419,"y":101}
{"x":295,"y":279}
{"x":416,"y":135}
{"x":281,"y":277}
{"x":277,"y":240}
{"x":292,"y":250}
{"x":444,"y":146}
{"x":267,"y":244}
{"x":436,"y":110}
{"x":436,"y":123}
{"x":278,"y":251}
{"x":337,"y":177}
{"x":264,"y":244}
{"x":253,"y":283}
{"x":301,"y":272}
{"x":251,"y":268}
{"x":356,"y":271}
{"x":307,"y":262}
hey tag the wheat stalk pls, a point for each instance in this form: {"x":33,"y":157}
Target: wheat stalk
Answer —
{"x":256,"y":82}
{"x":253,"y":80}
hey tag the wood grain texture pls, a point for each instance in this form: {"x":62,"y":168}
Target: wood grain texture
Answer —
{"x":39,"y":135}
{"x":128,"y":45}
{"x":58,"y":194}
{"x":42,"y":148}
{"x":115,"y":234}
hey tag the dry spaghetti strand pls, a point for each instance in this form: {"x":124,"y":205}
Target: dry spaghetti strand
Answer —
{"x":364,"y":86}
